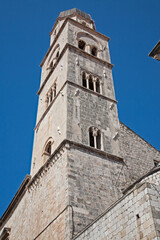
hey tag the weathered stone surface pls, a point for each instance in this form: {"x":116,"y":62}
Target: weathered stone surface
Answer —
{"x":71,"y":182}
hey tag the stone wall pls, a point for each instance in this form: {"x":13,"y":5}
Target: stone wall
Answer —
{"x":44,"y":209}
{"x":138,"y":155}
{"x":134,"y":216}
{"x":92,"y":180}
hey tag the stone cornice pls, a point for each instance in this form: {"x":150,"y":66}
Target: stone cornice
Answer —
{"x":77,"y":86}
{"x":5,"y":233}
{"x":66,"y":145}
{"x":92,"y":31}
{"x":49,"y":163}
{"x":31,"y":183}
{"x":69,"y":46}
{"x":74,"y":14}
{"x":18,"y":196}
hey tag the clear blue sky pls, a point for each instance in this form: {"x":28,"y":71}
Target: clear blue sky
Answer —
{"x":134,"y":29}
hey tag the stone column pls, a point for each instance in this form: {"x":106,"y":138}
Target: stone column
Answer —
{"x":87,"y":80}
{"x":47,"y":101}
{"x":101,"y":84}
{"x":88,"y":48}
{"x":99,"y":53}
{"x":94,"y":132}
{"x":94,"y":84}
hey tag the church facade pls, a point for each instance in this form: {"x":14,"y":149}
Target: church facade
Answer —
{"x":91,"y":176}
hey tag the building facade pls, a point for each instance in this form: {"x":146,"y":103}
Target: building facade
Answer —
{"x":83,"y":157}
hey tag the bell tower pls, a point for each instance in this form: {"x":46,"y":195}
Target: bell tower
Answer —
{"x":76,"y":96}
{"x":77,"y":128}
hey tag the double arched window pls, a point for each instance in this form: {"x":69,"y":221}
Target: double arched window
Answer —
{"x":88,"y":43}
{"x":53,"y":57}
{"x":51,"y":94}
{"x":91,"y":82}
{"x":95,"y":137}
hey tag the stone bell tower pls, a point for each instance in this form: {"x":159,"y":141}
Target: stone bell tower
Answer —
{"x":83,"y":157}
{"x":77,"y":129}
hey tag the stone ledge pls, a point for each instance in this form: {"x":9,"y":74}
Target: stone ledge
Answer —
{"x":67,"y":144}
{"x":60,"y":30}
{"x":69,"y":46}
{"x":77,"y":86}
{"x":15,"y":201}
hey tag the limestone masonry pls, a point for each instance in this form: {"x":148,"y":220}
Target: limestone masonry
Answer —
{"x":91,"y":176}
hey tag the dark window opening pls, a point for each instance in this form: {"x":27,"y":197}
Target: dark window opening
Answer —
{"x":84,"y":23}
{"x":51,"y":64}
{"x":81,"y":44}
{"x":137,"y":216}
{"x":156,"y":163}
{"x":57,"y":55}
{"x":54,"y":90}
{"x":84,"y":82}
{"x":98,"y":139}
{"x":97,"y":86}
{"x":48,"y":148}
{"x":91,"y":83}
{"x":51,"y":96}
{"x":94,"y":51}
{"x":91,"y":139}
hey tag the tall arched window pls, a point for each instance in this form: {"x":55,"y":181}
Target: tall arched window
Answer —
{"x":91,"y":87}
{"x":84,"y":81}
{"x":95,"y":137}
{"x":47,"y":150}
{"x":81,"y":44}
{"x":91,"y":138}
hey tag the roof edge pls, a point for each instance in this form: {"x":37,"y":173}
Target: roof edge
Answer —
{"x":16,"y":199}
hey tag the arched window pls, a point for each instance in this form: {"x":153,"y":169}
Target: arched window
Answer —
{"x":81,"y":44}
{"x":47,"y":150}
{"x":84,"y":23}
{"x":57,"y":55}
{"x":94,"y":51}
{"x":98,"y":139}
{"x":91,"y":87}
{"x":51,"y":64}
{"x":94,"y":137}
{"x":91,"y":138}
{"x":54,"y":89}
{"x":97,"y":86}
{"x":51,"y":96}
{"x":84,"y":81}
